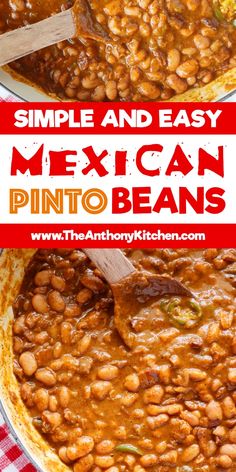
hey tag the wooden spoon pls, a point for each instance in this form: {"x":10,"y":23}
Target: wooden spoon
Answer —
{"x":133,"y":290}
{"x":77,"y":21}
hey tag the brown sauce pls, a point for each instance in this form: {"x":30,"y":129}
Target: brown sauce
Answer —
{"x":166,"y":405}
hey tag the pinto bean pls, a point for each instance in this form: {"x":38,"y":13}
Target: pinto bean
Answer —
{"x":100,"y":389}
{"x":220,"y":431}
{"x":41,"y":338}
{"x":190,"y":417}
{"x":176,"y":83}
{"x":196,"y":374}
{"x":173,"y":59}
{"x":39,"y":303}
{"x":213,"y":332}
{"x":132,"y":382}
{"x":111,"y":89}
{"x":84,"y":295}
{"x":149,"y":90}
{"x":53,"y":419}
{"x":83,"y":446}
{"x":104,"y":461}
{"x":229,"y":450}
{"x":138,"y":413}
{"x":225,"y":461}
{"x":164,"y":374}
{"x":155,"y":422}
{"x":18,"y":344}
{"x":214,"y":411}
{"x":85,"y":365}
{"x":113,"y":469}
{"x":46,"y":376}
{"x":128,"y":398}
{"x":232,"y":435}
{"x":32,"y":319}
{"x":228,"y":406}
{"x":139,"y":468}
{"x":226,"y":319}
{"x":66,"y":332}
{"x":160,"y":447}
{"x":153,"y":394}
{"x":74,"y":434}
{"x":232,"y":375}
{"x":105,"y":447}
{"x":190,"y":453}
{"x":58,"y":283}
{"x":19,"y":325}
{"x":155,"y":410}
{"x":56,"y":301}
{"x":84,"y":464}
{"x":72,"y":311}
{"x":64,"y":396}
{"x":57,"y":350}
{"x":99,"y":93}
{"x":41,"y":399}
{"x":169,"y":458}
{"x":148,"y":460}
{"x":129,"y":460}
{"x":42,"y":278}
{"x":94,"y":283}
{"x":173,"y":409}
{"x":63,"y":454}
{"x":187,"y":69}
{"x":201,"y":42}
{"x":84,"y":343}
{"x":108,"y":372}
{"x":17,"y":5}
{"x":120,"y":433}
{"x":28,"y":363}
{"x":26,"y":392}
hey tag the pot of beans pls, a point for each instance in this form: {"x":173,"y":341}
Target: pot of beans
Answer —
{"x":78,"y":398}
{"x":181,"y":50}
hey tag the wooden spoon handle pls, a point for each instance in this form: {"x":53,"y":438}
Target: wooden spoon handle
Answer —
{"x":31,"y":38}
{"x":112,"y":263}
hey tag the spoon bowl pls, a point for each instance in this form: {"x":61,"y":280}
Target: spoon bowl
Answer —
{"x":136,"y":295}
{"x":137,"y":305}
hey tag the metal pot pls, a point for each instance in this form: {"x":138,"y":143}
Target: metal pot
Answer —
{"x":12,"y":267}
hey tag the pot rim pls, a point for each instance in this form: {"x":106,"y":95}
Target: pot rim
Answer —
{"x":216,"y":91}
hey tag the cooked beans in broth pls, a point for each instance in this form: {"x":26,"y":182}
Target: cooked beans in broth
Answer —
{"x":168,"y":405}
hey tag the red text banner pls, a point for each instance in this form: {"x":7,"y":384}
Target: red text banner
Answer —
{"x":107,"y":118}
{"x":115,"y":235}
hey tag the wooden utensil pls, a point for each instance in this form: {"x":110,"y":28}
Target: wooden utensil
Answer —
{"x":77,"y":21}
{"x":132,"y":289}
